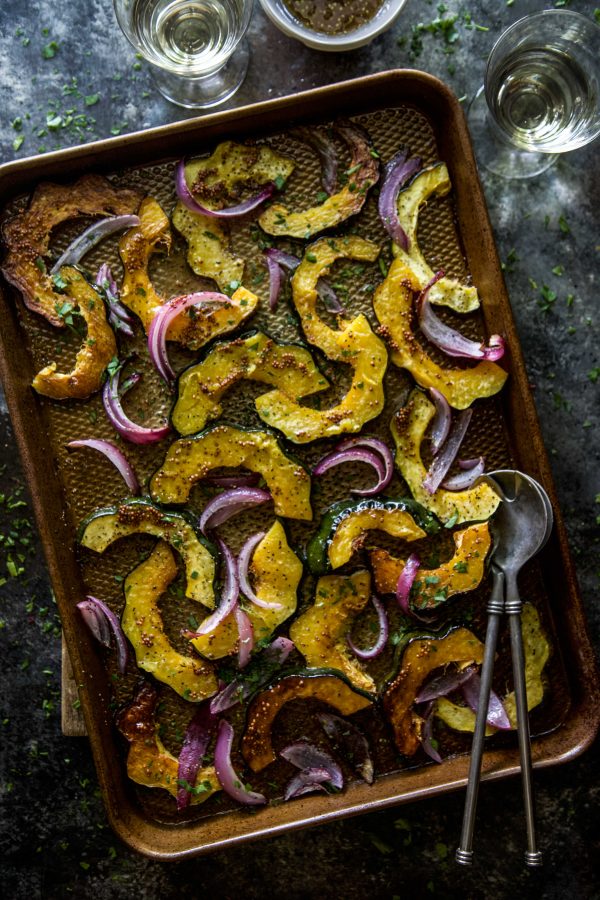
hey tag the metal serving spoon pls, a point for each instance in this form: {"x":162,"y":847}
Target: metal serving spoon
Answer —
{"x":521,"y":526}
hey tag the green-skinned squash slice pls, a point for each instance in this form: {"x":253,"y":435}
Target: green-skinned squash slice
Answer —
{"x":463,"y":572}
{"x":256,"y":357}
{"x":275,"y":572}
{"x":209,"y":253}
{"x":320,"y":632}
{"x":365,"y":352}
{"x":433,"y":181}
{"x":408,"y":428}
{"x":104,"y":526}
{"x":327,"y":686}
{"x":316,"y":263}
{"x":190,"y":459}
{"x":190,"y":677}
{"x":346,"y":524}
{"x":536,"y":651}
{"x":420,"y":658}
{"x":149,"y":763}
{"x":394,"y":302}
{"x":362,"y":174}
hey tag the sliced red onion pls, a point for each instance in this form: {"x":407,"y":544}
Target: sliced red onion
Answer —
{"x":452,"y":342}
{"x":195,"y":745}
{"x":382,"y":635}
{"x":116,"y":457}
{"x":382,"y":449}
{"x":405,"y":582}
{"x":472,"y":470}
{"x":306,"y":782}
{"x":92,"y":236}
{"x":229,"y":595}
{"x":441,"y":463}
{"x":306,"y":756}
{"x":496,"y":714}
{"x":243,"y":479}
{"x":244,"y":557}
{"x":96,"y":621}
{"x":324,"y":147}
{"x":283,"y":259}
{"x":229,"y":696}
{"x":238,"y":689}
{"x":229,"y":212}
{"x":279,"y":649}
{"x":329,"y":297}
{"x":245,"y":637}
{"x":351,"y":742}
{"x":427,"y":735}
{"x":115,"y":627}
{"x":229,"y":503}
{"x":442,"y":685}
{"x":228,"y":779}
{"x":129,"y":431}
{"x":356,"y":453}
{"x":118,"y":314}
{"x":396,"y":173}
{"x":275,"y":280}
{"x":157,"y":333}
{"x":442,"y":420}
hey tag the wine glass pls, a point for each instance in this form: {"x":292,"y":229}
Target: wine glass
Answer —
{"x":196,"y":47}
{"x":541,"y":94}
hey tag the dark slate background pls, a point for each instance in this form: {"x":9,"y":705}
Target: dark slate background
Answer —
{"x":68,"y":76}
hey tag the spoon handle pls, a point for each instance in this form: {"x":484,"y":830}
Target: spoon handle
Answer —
{"x":464,"y":853}
{"x":533,"y":856}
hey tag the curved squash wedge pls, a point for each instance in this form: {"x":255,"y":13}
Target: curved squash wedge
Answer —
{"x":393,"y":302}
{"x":27,"y":235}
{"x":191,"y":678}
{"x":257,"y":357}
{"x":104,"y":526}
{"x":209,"y":254}
{"x":190,"y":459}
{"x":362,"y":174}
{"x":149,"y":763}
{"x":408,"y":429}
{"x":98,"y":348}
{"x":432,"y":181}
{"x":421,"y":657}
{"x":536,"y":651}
{"x":316,"y":262}
{"x":345,"y":526}
{"x":432,"y":587}
{"x":366,"y":353}
{"x":320,"y":632}
{"x":276,"y":572}
{"x":327,"y":686}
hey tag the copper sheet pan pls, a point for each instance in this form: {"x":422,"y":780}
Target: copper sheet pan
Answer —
{"x":394,"y":104}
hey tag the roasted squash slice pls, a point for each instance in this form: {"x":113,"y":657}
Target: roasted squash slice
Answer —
{"x":256,"y":357}
{"x":421,"y":657}
{"x":393,"y":302}
{"x":209,"y":254}
{"x":149,"y":763}
{"x":463,"y":572}
{"x":408,"y":429}
{"x":362,"y":350}
{"x":195,"y":326}
{"x":362,"y":174}
{"x":432,"y":181}
{"x":276,"y":572}
{"x":345,"y":526}
{"x":98,"y":348}
{"x":104,"y":526}
{"x":536,"y":651}
{"x":190,"y":459}
{"x":320,"y":632}
{"x":316,"y":262}
{"x":217,"y":180}
{"x":27,"y":235}
{"x":327,"y":686}
{"x":190,"y":677}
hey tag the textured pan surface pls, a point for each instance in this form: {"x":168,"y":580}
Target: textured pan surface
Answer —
{"x":450,"y":231}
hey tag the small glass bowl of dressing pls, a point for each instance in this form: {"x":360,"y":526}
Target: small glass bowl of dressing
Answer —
{"x":333,"y":25}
